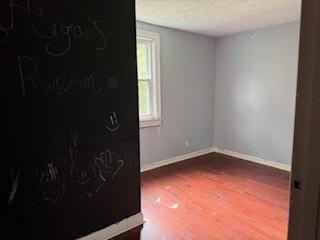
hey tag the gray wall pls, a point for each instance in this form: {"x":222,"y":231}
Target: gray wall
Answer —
{"x":187,"y":81}
{"x":255,"y":88}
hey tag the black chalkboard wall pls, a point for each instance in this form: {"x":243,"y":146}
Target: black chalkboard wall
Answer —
{"x":70,"y":112}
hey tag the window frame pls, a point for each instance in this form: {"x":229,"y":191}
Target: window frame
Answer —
{"x":154,"y":119}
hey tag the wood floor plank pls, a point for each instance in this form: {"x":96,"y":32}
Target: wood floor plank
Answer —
{"x":215,"y":197}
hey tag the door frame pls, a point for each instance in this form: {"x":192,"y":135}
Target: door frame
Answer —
{"x":305,"y":178}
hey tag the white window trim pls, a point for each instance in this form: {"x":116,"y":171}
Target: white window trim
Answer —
{"x":155,"y":120}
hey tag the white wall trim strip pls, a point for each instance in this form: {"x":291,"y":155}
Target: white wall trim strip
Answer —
{"x":282,"y":166}
{"x":169,"y":161}
{"x":117,"y":228}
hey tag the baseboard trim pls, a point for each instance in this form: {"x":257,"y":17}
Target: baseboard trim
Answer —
{"x":117,"y":228}
{"x":180,"y":158}
{"x":285,"y":167}
{"x":148,"y":167}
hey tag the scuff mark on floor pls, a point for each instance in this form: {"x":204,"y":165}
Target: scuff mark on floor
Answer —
{"x":174,"y":205}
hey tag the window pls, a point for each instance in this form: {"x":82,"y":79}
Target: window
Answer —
{"x":148,"y":78}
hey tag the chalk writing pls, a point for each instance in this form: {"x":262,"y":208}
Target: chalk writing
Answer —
{"x":14,"y":188}
{"x":92,"y":192}
{"x":106,"y":165}
{"x":112,"y":84}
{"x":55,"y":32}
{"x":90,"y":175}
{"x":113,"y":124}
{"x":72,"y":151}
{"x":102,"y":36}
{"x":28,"y":69}
{"x":28,"y":76}
{"x":50,"y":182}
{"x":84,"y":175}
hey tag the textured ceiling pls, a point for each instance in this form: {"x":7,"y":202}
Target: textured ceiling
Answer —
{"x":217,"y":17}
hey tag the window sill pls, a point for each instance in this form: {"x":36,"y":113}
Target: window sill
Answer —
{"x":150,"y":123}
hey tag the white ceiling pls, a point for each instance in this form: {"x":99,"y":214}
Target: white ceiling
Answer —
{"x":217,"y":17}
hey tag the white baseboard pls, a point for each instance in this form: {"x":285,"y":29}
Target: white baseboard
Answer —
{"x":169,"y":161}
{"x":249,"y":158}
{"x":282,"y":166}
{"x":117,"y":228}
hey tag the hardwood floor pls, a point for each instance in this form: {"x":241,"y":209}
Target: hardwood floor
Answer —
{"x":215,"y":197}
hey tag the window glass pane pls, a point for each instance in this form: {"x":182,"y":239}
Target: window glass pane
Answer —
{"x":144,"y":98}
{"x":143,"y":60}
